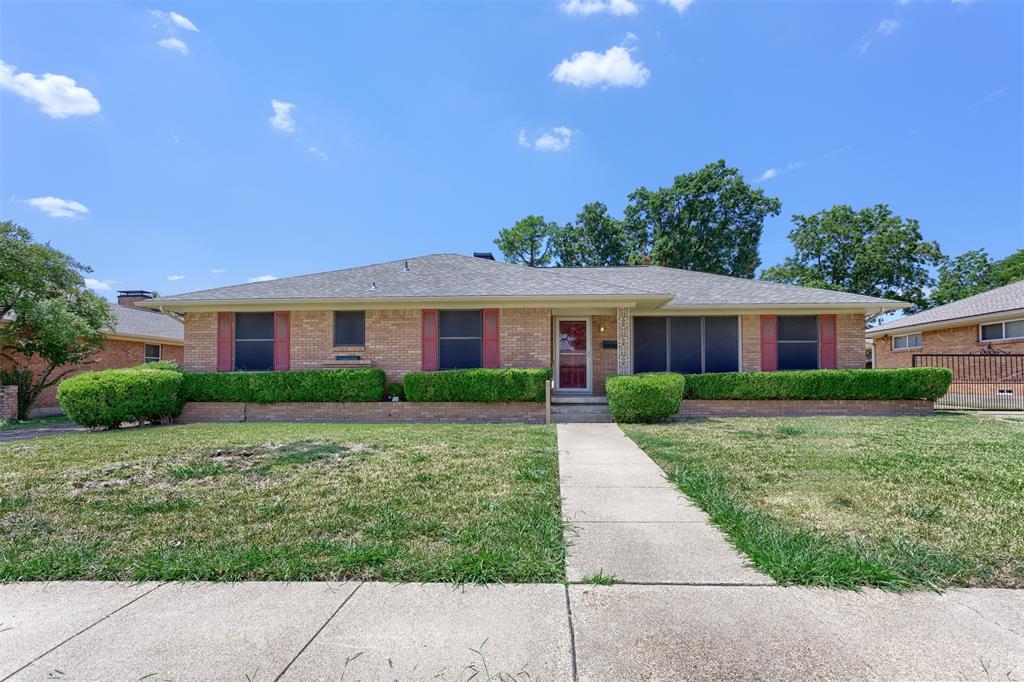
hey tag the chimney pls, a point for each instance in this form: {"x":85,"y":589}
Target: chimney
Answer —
{"x":486,"y":255}
{"x":131,"y":297}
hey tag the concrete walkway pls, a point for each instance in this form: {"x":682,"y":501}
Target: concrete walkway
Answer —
{"x":378,"y":631}
{"x":629,"y":522}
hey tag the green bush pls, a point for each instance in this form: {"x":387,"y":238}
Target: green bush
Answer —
{"x":920,"y":383}
{"x":169,"y":365}
{"x":644,"y":398}
{"x":396,"y":389}
{"x":300,"y":386}
{"x":113,"y":396}
{"x":477,"y":385}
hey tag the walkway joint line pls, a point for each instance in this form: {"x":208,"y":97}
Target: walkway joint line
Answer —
{"x":572,"y":635}
{"x":318,"y":631}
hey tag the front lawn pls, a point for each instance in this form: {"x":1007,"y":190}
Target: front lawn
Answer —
{"x":849,"y":501}
{"x":284,"y":502}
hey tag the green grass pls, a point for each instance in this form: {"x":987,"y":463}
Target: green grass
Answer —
{"x":899,"y":503}
{"x":9,"y":425}
{"x":458,"y":503}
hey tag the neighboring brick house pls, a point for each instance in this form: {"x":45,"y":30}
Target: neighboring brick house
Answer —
{"x":449,"y":311}
{"x":989,"y":321}
{"x":138,"y":336}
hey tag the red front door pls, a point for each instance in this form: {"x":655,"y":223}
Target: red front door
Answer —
{"x":572,"y":354}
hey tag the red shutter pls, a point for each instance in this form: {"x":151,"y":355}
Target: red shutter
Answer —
{"x":827,"y":341}
{"x":225,"y":341}
{"x":429,"y":340}
{"x":282,"y":342}
{"x":491,"y":338}
{"x":769,"y":344}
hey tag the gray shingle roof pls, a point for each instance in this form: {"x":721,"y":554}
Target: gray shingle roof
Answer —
{"x":452,"y":275}
{"x":135,"y":322}
{"x":1002,"y":300}
{"x":690,"y":289}
{"x":435,"y":276}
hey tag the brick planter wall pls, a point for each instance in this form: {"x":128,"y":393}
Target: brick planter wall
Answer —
{"x":804,"y":408}
{"x":8,"y":402}
{"x":377,"y":412}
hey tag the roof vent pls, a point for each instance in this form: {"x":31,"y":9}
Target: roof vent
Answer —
{"x":406,"y":268}
{"x":486,"y":255}
{"x":130,"y":297}
{"x":373,"y":286}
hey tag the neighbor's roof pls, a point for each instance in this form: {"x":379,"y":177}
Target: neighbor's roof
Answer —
{"x":146,"y":323}
{"x":454,"y":276}
{"x":1007,"y":299}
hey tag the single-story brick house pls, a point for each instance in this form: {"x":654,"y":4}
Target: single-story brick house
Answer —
{"x":138,"y":336}
{"x":449,"y":311}
{"x":992,"y":319}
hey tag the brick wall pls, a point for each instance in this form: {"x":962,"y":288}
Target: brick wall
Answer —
{"x":963,"y":339}
{"x":201,"y":342}
{"x":803,"y":408}
{"x":377,"y":412}
{"x":8,"y":402}
{"x":117,"y":353}
{"x":750,"y":342}
{"x":605,"y":359}
{"x":526,"y":337}
{"x":849,"y":341}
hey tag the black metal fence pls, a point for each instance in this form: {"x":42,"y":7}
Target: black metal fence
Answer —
{"x":988,"y":380}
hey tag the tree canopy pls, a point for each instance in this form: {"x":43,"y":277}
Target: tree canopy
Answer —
{"x":871,"y":252}
{"x":596,"y":239}
{"x":973,"y":272}
{"x":528,"y":241}
{"x":48,"y":314}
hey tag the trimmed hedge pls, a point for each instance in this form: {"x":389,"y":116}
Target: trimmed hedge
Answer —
{"x":299,"y":386}
{"x":112,"y":396}
{"x":477,"y":385}
{"x":644,"y":398}
{"x":395,"y":389}
{"x":919,"y":383}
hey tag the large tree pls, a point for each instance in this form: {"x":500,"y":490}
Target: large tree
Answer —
{"x":709,"y":220}
{"x":528,"y":241}
{"x":968,"y":274}
{"x":596,"y":239}
{"x":1009,"y":269}
{"x":871,"y":252}
{"x":49,"y":319}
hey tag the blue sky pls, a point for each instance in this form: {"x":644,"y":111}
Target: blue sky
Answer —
{"x":405,"y":129}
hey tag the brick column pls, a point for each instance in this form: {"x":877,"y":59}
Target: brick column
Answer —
{"x":624,"y":340}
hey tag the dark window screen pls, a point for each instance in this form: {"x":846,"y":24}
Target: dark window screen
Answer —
{"x":721,"y":344}
{"x":254,"y":341}
{"x":684,"y":335}
{"x":798,"y":328}
{"x":649,"y":344}
{"x":349,"y":328}
{"x":460,"y":339}
{"x":798,"y":342}
{"x":798,"y":356}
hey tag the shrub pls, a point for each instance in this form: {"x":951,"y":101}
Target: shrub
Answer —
{"x":396,"y":389}
{"x":169,"y":365}
{"x":318,"y":385}
{"x":113,"y":396}
{"x":920,"y":383}
{"x":477,"y":385}
{"x":644,"y":398}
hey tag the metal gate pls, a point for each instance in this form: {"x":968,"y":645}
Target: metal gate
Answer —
{"x":986,"y":380}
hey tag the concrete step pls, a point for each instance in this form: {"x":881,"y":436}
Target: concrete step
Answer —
{"x":580,"y":409}
{"x":579,"y":400}
{"x":581,"y":418}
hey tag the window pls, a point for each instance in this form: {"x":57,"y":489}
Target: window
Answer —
{"x":906,"y":341}
{"x":685,"y":344}
{"x":254,"y":341}
{"x":151,"y":352}
{"x":460,"y":339}
{"x":349,"y":328}
{"x":798,"y":341}
{"x":999,"y":331}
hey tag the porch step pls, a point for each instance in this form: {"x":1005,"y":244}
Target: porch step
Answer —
{"x":581,"y":418}
{"x":580,"y":409}
{"x":557,"y":399}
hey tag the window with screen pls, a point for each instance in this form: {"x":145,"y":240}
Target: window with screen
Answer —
{"x":906,"y":341}
{"x":798,"y":341}
{"x":686,"y":344}
{"x":254,"y":341}
{"x":999,"y":331}
{"x":349,"y":328}
{"x":151,"y":352}
{"x":460,"y":339}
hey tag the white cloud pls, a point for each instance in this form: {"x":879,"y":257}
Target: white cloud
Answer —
{"x":629,"y":37}
{"x":612,"y":68}
{"x":319,"y":152}
{"x":886,"y":27}
{"x":282,"y":118}
{"x":173,"y":44}
{"x":174,"y":278}
{"x":174,"y":19}
{"x":768,"y":175}
{"x":56,"y":207}
{"x":584,"y":8}
{"x":262,"y":278}
{"x":678,"y":5}
{"x":554,"y":140}
{"x":218,"y":271}
{"x":57,"y":96}
{"x":97,"y":285}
